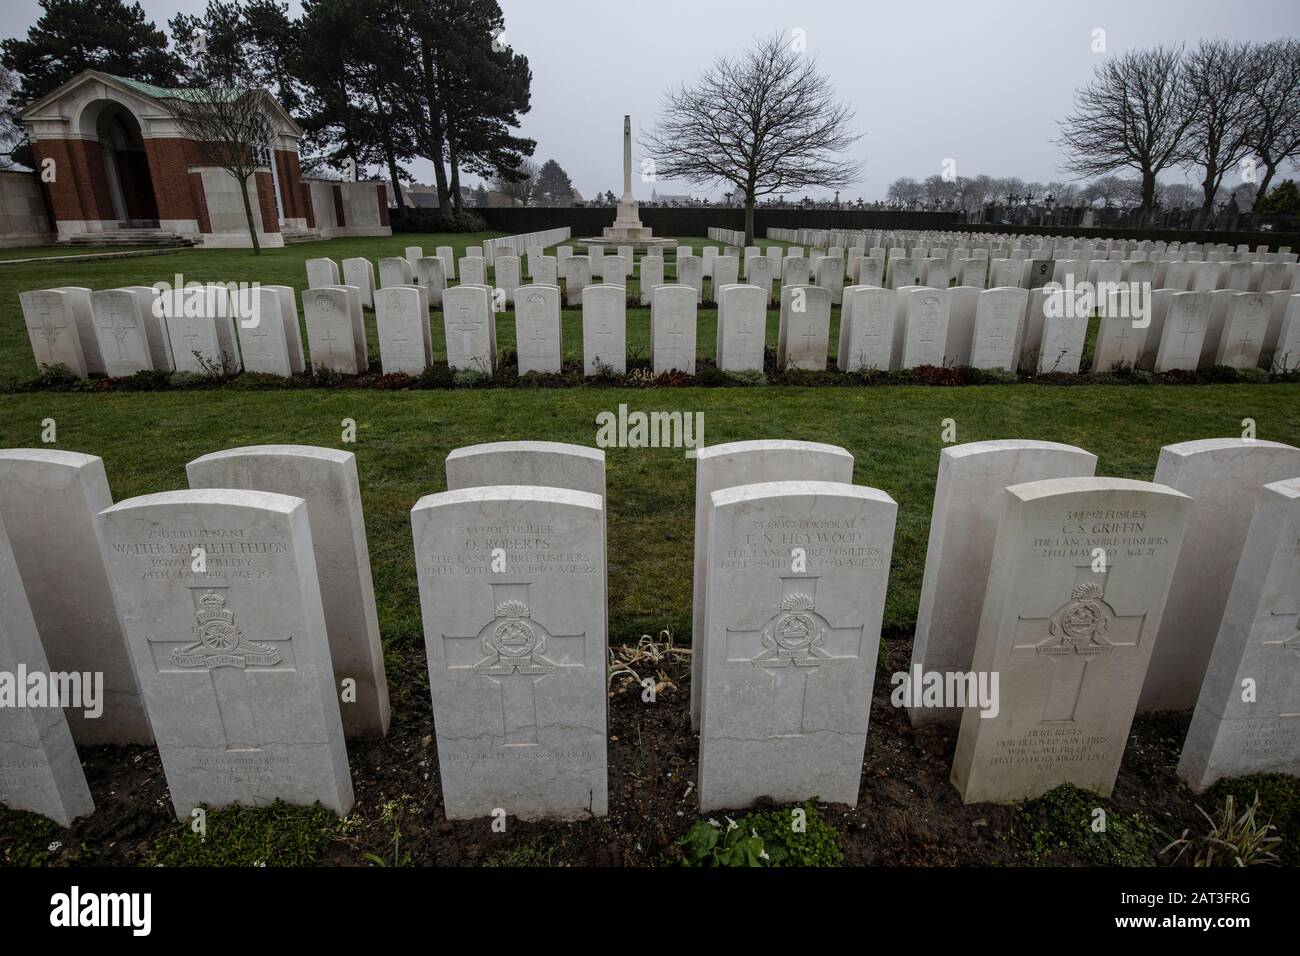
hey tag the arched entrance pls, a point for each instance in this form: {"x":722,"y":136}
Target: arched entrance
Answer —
{"x":126,"y":167}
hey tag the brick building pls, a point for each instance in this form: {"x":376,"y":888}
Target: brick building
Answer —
{"x":114,"y":165}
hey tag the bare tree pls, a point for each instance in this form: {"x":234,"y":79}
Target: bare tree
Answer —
{"x":765,"y":123}
{"x":522,"y":188}
{"x":905,"y":191}
{"x":231,"y":127}
{"x":1132,"y":115}
{"x":1274,"y":129}
{"x":1220,"y":78}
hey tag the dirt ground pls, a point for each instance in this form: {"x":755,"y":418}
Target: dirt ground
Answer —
{"x":908,"y":814}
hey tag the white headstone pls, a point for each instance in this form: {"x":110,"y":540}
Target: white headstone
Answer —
{"x":48,"y":503}
{"x":1065,"y":329}
{"x":1235,"y":734}
{"x":52,"y":329}
{"x":1077,"y":583}
{"x":1223,"y":477}
{"x":604,"y":329}
{"x":331,"y":338}
{"x":577,"y":276}
{"x":120,"y":332}
{"x":690,"y":272}
{"x":791,"y":655}
{"x":292,"y":331}
{"x":1183,"y":332}
{"x":804,"y":329}
{"x":360,"y":272}
{"x":470,"y":328}
{"x":473,"y":271}
{"x":652,"y":274}
{"x":233,"y":658}
{"x":742,"y":328}
{"x":963,"y":527}
{"x":39,"y":769}
{"x":673,"y":328}
{"x":999,"y":316}
{"x":326,"y":479}
{"x":538,"y":331}
{"x":402,"y":321}
{"x":321,"y":273}
{"x":1245,"y":331}
{"x":866,"y":329}
{"x":262,"y":336}
{"x":923,"y":325}
{"x":395,"y":272}
{"x":433,"y":279}
{"x":516,"y":657}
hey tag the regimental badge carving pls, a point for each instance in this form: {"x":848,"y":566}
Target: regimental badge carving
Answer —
{"x":794,"y":636}
{"x":218,"y":641}
{"x":395,"y":304}
{"x":515,"y":645}
{"x":1079,"y":626}
{"x":325,"y":303}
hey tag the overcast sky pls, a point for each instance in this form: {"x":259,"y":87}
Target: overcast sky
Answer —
{"x":983,"y":83}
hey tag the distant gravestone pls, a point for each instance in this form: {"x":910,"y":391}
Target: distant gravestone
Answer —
{"x":516,"y":655}
{"x":962,"y":531}
{"x":402,"y":322}
{"x":999,"y":315}
{"x":871,"y":272}
{"x":52,"y":329}
{"x":1183,"y":332}
{"x":866,"y":329}
{"x":1064,"y":332}
{"x":1286,"y":355}
{"x":322,"y":273}
{"x":473,"y":271}
{"x":740,"y":463}
{"x":1004,"y":273}
{"x":1078,"y":578}
{"x":804,"y":330}
{"x":292,"y":332}
{"x":795,"y":270}
{"x":614,"y":270}
{"x":924,"y":326}
{"x":690,"y":272}
{"x":39,"y":769}
{"x":413,"y":254}
{"x":433,"y":279}
{"x":742,"y":328}
{"x":326,"y":479}
{"x":549,"y":464}
{"x":448,"y":256}
{"x":1040,"y":272}
{"x":726,"y":271}
{"x":936,"y":273}
{"x":262,"y":337}
{"x":1118,"y":345}
{"x":538,"y":329}
{"x":974,"y":273}
{"x":604,"y":328}
{"x":360,"y":272}
{"x":48,"y":503}
{"x":76,"y":301}
{"x":395,"y":272}
{"x":673,"y":328}
{"x":963,"y":303}
{"x":193,"y":336}
{"x":470,"y":328}
{"x":120,"y":332}
{"x":761,"y":273}
{"x":330,"y":333}
{"x":546,"y":271}
{"x":507,"y":275}
{"x":791,"y":654}
{"x":233,"y":659}
{"x":1235,"y":734}
{"x":160,"y":347}
{"x":1245,"y":331}
{"x":652,"y":274}
{"x":1223,"y":477}
{"x":577,"y":276}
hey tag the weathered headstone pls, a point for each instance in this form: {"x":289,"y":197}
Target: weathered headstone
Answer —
{"x":262,"y":336}
{"x":360,"y":272}
{"x":470,"y":328}
{"x":52,"y":329}
{"x":962,"y":530}
{"x":229,"y":643}
{"x":742,"y":328}
{"x":999,"y":315}
{"x":726,"y":271}
{"x":795,"y":270}
{"x":1077,"y":583}
{"x":652,"y":274}
{"x":923,"y":323}
{"x":120,"y":332}
{"x":740,"y":463}
{"x":549,"y":464}
{"x":762,"y":271}
{"x":1064,"y":332}
{"x":48,"y":503}
{"x":546,"y":271}
{"x":577,"y":276}
{"x":614,"y":270}
{"x":1244,"y":722}
{"x":292,"y":331}
{"x":516,"y":656}
{"x":604,"y":329}
{"x":330,"y":333}
{"x":1183,"y":332}
{"x":402,"y":322}
{"x":673,"y":328}
{"x":866,"y":329}
{"x":473,"y":270}
{"x":538,"y":330}
{"x":321,"y":273}
{"x":39,"y":769}
{"x":395,"y":272}
{"x":1223,"y":477}
{"x":326,"y":479}
{"x":1244,"y":332}
{"x":433,"y":279}
{"x":791,"y":654}
{"x":507,"y":275}
{"x":804,"y":330}
{"x":690,"y":272}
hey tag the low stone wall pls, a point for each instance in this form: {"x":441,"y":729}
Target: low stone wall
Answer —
{"x":24,"y":219}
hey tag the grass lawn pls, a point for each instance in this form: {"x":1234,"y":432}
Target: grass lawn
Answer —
{"x":894,"y":433}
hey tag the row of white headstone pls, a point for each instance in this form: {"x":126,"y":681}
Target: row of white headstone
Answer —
{"x":236,"y":625}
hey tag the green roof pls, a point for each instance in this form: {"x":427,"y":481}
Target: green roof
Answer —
{"x":165,"y":93}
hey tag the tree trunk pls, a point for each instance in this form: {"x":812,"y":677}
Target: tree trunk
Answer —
{"x":1262,"y":189}
{"x":1205,"y":217}
{"x":248,"y":214}
{"x":1148,"y":197}
{"x":749,"y":218}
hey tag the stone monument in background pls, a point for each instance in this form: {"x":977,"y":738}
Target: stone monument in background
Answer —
{"x":627,"y":229}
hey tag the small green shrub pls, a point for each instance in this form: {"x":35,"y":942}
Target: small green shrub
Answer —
{"x":278,"y":835}
{"x":1279,"y":801}
{"x":26,"y":839}
{"x":185,"y":380}
{"x":763,"y":838}
{"x":1062,"y":821}
{"x":817,"y":845}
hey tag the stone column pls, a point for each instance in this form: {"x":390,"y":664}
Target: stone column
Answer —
{"x":627,"y":159}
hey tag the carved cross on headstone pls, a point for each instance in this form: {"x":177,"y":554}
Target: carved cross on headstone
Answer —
{"x":1082,"y":628}
{"x":218,"y":656}
{"x":516,"y":653}
{"x":791,"y":646}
